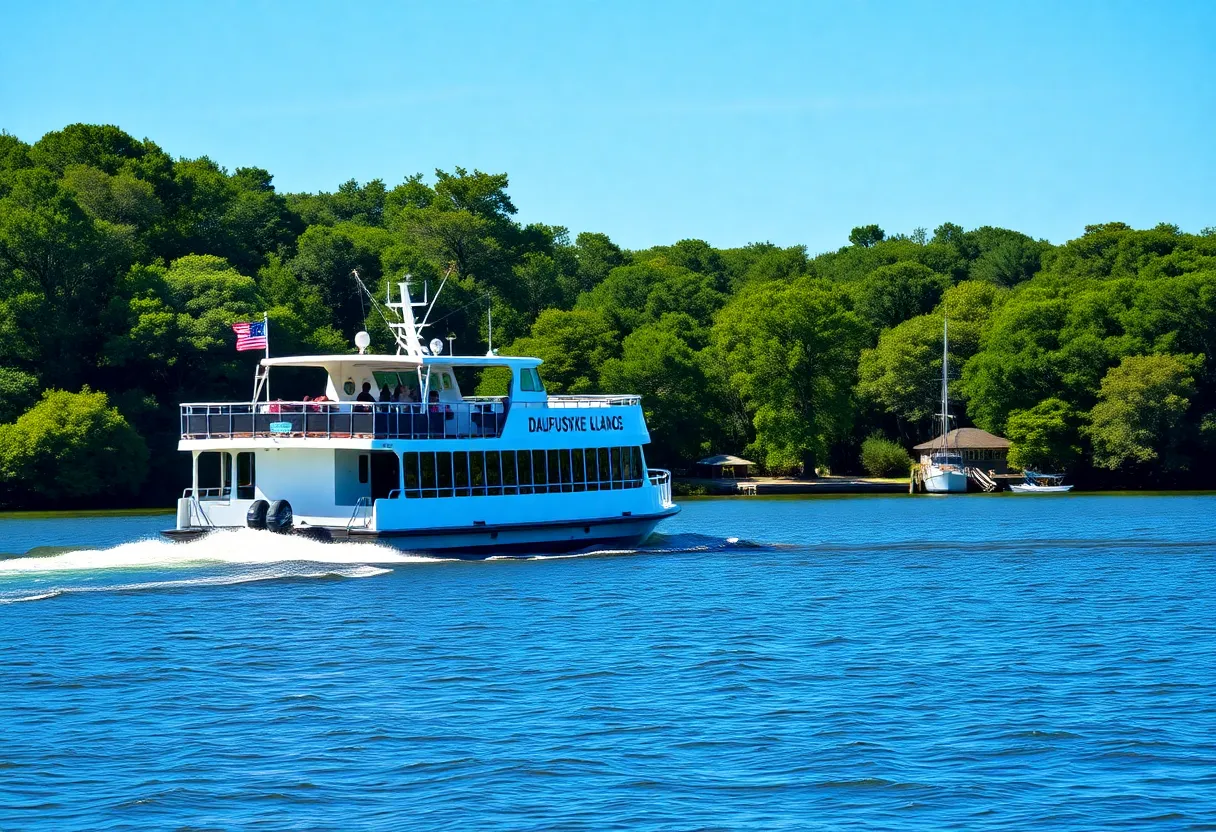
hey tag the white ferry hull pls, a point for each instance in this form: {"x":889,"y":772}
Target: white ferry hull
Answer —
{"x":942,"y":481}
{"x":554,"y":537}
{"x":1040,"y":489}
{"x":563,"y":536}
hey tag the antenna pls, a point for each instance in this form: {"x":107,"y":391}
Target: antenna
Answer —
{"x":490,"y":325}
{"x":451,"y":268}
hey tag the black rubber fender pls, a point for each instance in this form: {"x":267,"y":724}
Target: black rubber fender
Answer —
{"x":279,"y":518}
{"x":255,"y":518}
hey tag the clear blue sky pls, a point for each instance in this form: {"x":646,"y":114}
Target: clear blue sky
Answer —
{"x":653,"y":122}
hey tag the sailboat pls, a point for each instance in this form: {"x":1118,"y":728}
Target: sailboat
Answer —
{"x":945,"y":473}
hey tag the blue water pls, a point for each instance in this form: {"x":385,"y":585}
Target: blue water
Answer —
{"x":864,"y":663}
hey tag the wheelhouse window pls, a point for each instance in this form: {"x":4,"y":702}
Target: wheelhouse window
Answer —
{"x":529,"y":380}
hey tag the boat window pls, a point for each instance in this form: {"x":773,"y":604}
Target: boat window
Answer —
{"x":569,"y":476}
{"x":447,"y":381}
{"x":244,"y":475}
{"x":580,"y":472}
{"x":477,"y":473}
{"x":385,"y":474}
{"x":493,"y":474}
{"x":443,"y":473}
{"x":540,"y":473}
{"x":214,"y":474}
{"x":591,"y":464}
{"x":426,"y":474}
{"x":364,"y":476}
{"x":524,"y":469}
{"x":410,"y":466}
{"x":510,"y":478}
{"x":537,"y":384}
{"x":525,"y":381}
{"x":460,"y":465}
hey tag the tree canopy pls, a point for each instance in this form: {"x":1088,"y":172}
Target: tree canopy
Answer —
{"x":123,"y":267}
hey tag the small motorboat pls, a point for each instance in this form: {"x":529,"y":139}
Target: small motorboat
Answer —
{"x":1036,"y":483}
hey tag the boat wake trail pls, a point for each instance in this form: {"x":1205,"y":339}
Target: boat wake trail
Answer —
{"x":658,"y":544}
{"x":239,"y":556}
{"x":17,"y":596}
{"x":223,"y":558}
{"x":232,"y":546}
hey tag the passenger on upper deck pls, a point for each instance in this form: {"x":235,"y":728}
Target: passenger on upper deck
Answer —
{"x":365,"y":396}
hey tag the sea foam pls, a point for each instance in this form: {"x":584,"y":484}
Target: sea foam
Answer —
{"x":235,"y":546}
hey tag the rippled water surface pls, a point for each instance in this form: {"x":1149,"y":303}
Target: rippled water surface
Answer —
{"x":968,"y":662}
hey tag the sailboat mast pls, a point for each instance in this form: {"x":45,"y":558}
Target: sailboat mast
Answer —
{"x":945,"y":381}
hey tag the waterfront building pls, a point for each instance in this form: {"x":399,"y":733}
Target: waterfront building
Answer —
{"x":978,"y":448}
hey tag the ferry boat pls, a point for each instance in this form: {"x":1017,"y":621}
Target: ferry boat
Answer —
{"x":437,"y":470}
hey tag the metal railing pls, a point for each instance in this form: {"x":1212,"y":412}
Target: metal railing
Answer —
{"x":661,"y":479}
{"x":334,"y":420}
{"x":472,"y":418}
{"x":222,"y":493}
{"x":588,"y":401}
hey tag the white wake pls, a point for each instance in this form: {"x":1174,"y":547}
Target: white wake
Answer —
{"x":235,"y":546}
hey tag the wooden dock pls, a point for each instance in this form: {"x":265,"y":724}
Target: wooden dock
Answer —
{"x":761,"y":486}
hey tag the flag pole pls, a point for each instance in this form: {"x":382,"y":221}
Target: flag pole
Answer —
{"x":266,"y":331}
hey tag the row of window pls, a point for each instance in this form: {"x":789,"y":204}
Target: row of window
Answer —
{"x":491,"y":473}
{"x":985,"y":455}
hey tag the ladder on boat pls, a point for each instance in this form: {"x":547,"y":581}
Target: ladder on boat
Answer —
{"x":364,"y":505}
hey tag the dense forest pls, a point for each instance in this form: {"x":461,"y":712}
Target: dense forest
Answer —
{"x":122,"y":269}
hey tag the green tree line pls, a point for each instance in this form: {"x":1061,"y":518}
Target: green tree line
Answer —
{"x":122,"y":269}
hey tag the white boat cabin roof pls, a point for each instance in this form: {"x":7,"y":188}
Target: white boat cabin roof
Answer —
{"x":400,"y":362}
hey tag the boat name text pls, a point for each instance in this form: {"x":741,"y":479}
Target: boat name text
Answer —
{"x":571,"y":424}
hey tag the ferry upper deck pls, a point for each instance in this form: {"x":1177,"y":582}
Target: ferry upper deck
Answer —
{"x":445,"y":414}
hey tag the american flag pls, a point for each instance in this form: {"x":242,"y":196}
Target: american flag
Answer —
{"x":250,"y":336}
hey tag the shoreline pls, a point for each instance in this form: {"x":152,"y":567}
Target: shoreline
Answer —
{"x":43,"y":514}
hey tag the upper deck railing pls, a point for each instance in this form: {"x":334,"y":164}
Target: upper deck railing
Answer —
{"x":473,"y":418}
{"x":588,"y":401}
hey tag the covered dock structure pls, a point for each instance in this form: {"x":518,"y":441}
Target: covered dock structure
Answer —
{"x":724,"y":466}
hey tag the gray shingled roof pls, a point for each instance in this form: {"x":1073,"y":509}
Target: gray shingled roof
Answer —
{"x":969,"y":439}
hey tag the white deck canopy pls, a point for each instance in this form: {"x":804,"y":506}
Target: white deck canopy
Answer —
{"x":360,"y":368}
{"x":401,"y":362}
